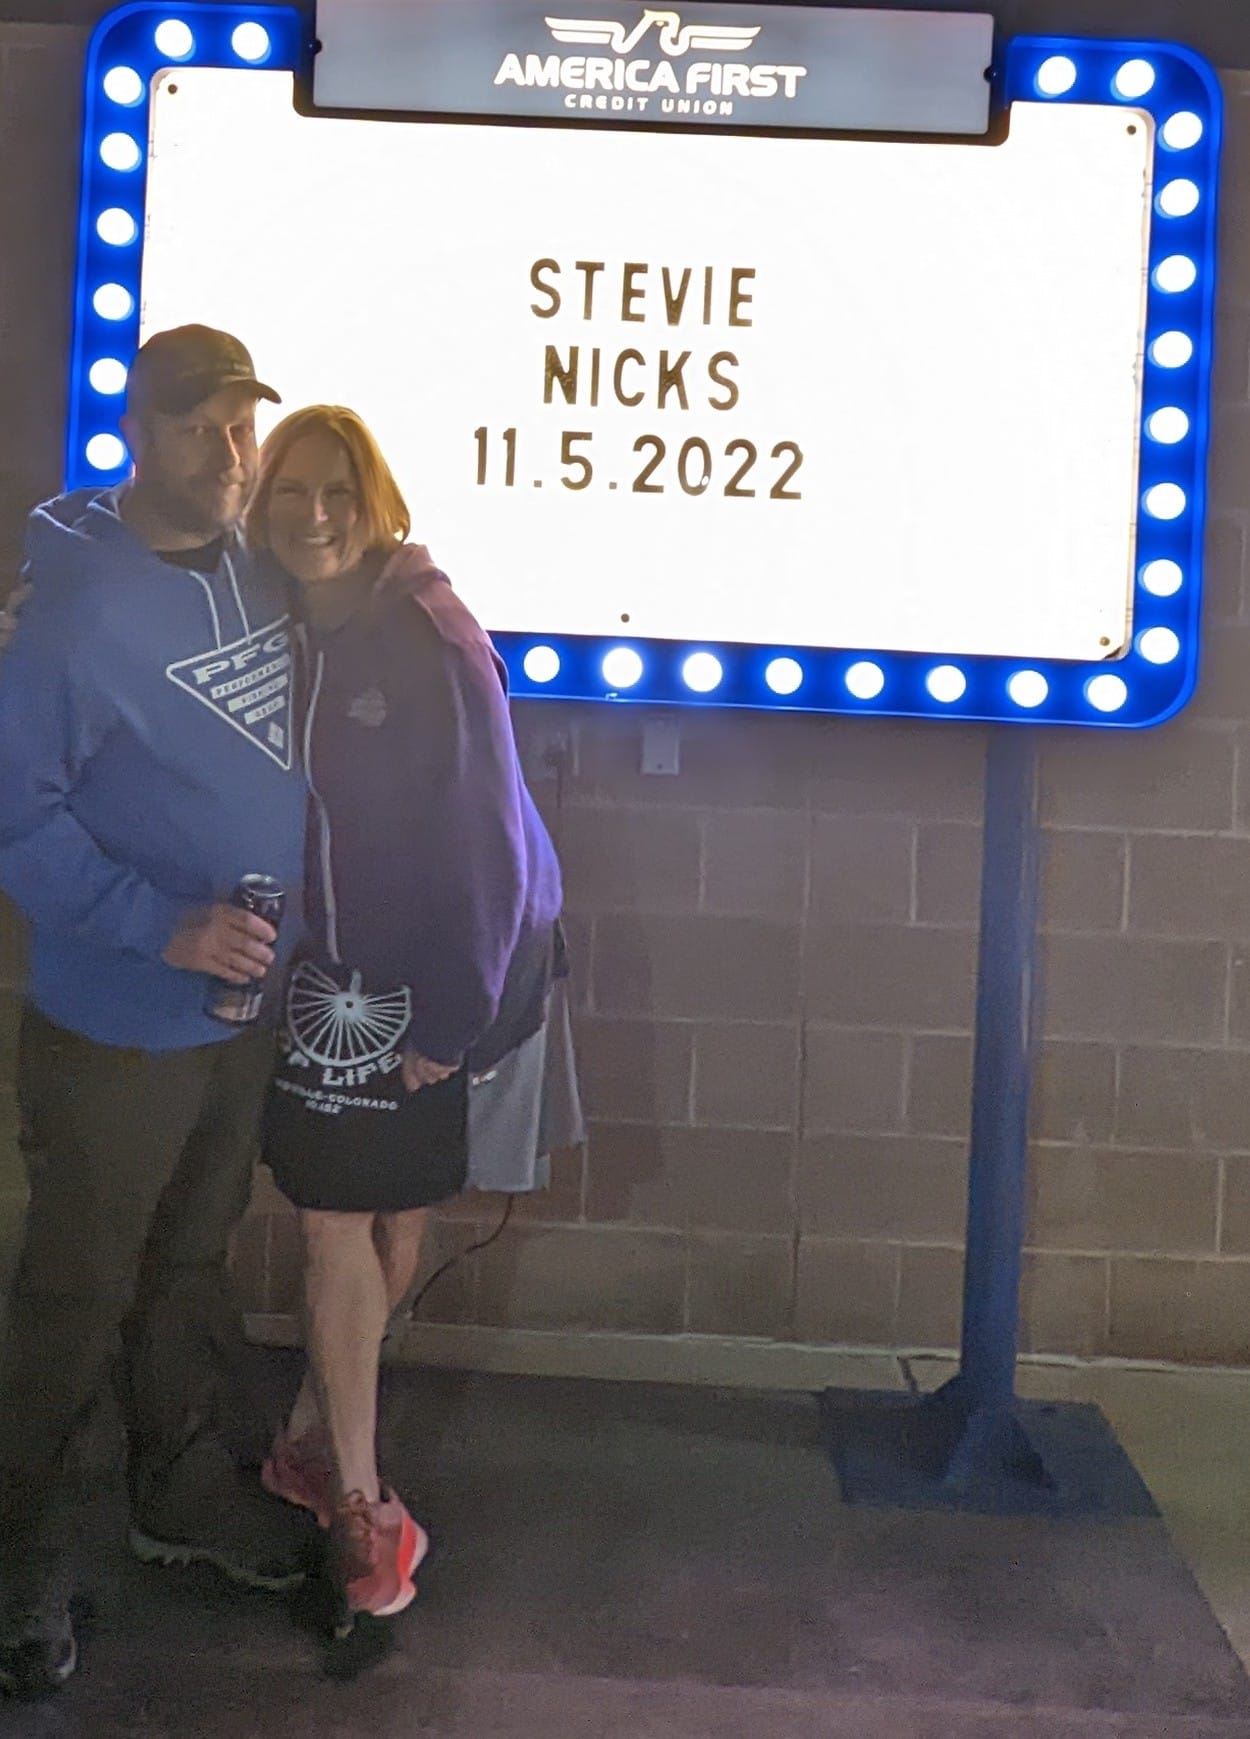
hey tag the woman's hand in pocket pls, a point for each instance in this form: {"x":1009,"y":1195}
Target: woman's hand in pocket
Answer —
{"x":422,"y":1071}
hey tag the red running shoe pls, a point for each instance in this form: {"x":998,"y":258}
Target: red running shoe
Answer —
{"x":300,"y":1470}
{"x":379,"y":1547}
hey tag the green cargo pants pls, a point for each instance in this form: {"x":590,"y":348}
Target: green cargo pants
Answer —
{"x":140,"y":1165}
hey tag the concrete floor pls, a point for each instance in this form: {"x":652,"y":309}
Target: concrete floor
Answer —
{"x":1187,"y":1431}
{"x":1188,"y":1434}
{"x":640,"y":1561}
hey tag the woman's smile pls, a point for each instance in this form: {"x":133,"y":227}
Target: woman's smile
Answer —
{"x":314,"y":511}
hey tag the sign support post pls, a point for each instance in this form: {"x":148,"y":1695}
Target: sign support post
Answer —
{"x":978,"y":1407}
{"x":973,"y":1444}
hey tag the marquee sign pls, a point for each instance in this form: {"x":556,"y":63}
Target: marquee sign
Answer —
{"x":797,"y":417}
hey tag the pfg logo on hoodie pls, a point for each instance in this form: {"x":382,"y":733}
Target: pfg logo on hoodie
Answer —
{"x":248,"y":684}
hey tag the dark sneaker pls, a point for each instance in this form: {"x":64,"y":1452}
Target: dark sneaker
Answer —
{"x":205,"y":1511}
{"x":38,"y":1649}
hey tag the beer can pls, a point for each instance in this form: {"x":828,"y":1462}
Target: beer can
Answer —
{"x":240,"y":1004}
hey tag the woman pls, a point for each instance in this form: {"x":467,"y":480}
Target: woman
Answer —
{"x":428,"y":1011}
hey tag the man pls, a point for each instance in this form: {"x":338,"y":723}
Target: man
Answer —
{"x":146,"y":764}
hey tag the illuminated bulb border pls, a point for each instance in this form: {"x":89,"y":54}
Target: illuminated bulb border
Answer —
{"x":784,"y":675}
{"x":542,"y":658}
{"x":1183,"y":84}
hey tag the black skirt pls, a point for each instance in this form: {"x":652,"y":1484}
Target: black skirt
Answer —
{"x":348,"y":1164}
{"x":342,"y":1133}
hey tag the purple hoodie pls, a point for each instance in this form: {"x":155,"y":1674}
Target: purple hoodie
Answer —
{"x":428,"y":863}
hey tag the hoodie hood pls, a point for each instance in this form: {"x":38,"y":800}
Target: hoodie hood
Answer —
{"x":411,"y":573}
{"x":81,"y":534}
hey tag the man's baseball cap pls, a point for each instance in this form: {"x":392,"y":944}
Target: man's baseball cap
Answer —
{"x":178,"y":369}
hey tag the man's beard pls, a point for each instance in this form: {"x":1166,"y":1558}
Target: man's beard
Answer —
{"x":190,"y":514}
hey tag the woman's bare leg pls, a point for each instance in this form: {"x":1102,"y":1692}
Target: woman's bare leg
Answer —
{"x":345,"y":1307}
{"x":397,"y":1240}
{"x":305,"y":1415}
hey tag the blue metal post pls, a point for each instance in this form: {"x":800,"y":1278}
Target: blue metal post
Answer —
{"x":1002,"y":1068}
{"x":973,"y":1445}
{"x":988,"y":1440}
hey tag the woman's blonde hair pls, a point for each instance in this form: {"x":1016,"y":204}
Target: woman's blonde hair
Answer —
{"x":384,"y":516}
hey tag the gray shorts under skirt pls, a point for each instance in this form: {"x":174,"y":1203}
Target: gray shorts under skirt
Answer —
{"x":526,"y":1107}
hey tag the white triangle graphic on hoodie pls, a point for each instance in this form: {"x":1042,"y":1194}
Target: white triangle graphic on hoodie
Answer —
{"x":248,"y":684}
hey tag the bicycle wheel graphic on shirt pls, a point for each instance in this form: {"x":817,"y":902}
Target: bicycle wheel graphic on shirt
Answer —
{"x":337,"y":1026}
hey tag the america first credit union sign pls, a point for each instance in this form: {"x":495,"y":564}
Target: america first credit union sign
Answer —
{"x":721,"y":66}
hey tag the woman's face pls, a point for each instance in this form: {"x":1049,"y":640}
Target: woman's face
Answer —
{"x":314,"y":510}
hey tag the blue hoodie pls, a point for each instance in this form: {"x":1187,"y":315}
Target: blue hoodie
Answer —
{"x":147,"y":761}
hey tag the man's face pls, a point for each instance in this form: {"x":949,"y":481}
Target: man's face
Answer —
{"x":199,"y":468}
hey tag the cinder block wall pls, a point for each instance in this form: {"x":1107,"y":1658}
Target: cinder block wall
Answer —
{"x":40,"y":109}
{"x":776,"y":951}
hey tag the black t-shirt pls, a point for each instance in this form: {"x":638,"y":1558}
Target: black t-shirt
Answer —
{"x":203,"y":560}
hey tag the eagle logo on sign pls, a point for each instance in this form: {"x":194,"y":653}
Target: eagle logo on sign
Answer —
{"x":674,"y":37}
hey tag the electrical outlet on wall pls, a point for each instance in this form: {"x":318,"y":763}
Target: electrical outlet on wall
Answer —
{"x":550,"y":752}
{"x":661,"y":746}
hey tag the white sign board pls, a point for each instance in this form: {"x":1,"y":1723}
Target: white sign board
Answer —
{"x":769,"y":390}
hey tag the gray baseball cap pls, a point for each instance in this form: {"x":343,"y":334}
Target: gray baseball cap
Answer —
{"x":180,"y":368}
